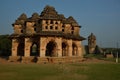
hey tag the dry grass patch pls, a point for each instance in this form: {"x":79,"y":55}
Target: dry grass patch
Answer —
{"x":75,"y":71}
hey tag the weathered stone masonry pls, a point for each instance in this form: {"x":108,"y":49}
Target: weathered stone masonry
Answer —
{"x":46,"y":36}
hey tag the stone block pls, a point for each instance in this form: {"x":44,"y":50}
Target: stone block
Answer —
{"x":14,"y":58}
{"x":56,"y":60}
{"x":28,"y":59}
{"x":42,"y":60}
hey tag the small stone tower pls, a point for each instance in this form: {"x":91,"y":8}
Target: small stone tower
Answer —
{"x":91,"y":43}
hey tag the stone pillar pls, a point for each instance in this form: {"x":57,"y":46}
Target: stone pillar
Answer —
{"x":66,"y":51}
{"x":74,"y":51}
{"x":14,"y":50}
{"x":63,"y":52}
{"x":79,"y":49}
{"x":59,"y":46}
{"x":69,"y":48}
{"x":15,"y":44}
{"x":28,"y":44}
{"x":43,"y":44}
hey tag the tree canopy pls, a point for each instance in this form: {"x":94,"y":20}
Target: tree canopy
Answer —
{"x":5,"y":45}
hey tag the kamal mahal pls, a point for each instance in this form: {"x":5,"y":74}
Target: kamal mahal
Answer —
{"x":48,"y":37}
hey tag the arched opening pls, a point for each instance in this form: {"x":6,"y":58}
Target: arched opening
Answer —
{"x":34,"y":50}
{"x":64,"y":49}
{"x":74,"y":49}
{"x":20,"y":51}
{"x":51,"y":49}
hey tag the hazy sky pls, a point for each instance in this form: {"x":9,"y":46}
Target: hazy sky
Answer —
{"x":101,"y":17}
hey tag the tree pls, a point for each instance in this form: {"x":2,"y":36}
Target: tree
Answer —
{"x":5,"y":45}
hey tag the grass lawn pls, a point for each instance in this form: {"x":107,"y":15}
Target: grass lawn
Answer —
{"x":76,"y":71}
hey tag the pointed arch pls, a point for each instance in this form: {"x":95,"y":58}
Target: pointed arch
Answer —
{"x":74,"y":49}
{"x":20,"y":49}
{"x":34,"y":50}
{"x":51,"y":49}
{"x":64,"y":49}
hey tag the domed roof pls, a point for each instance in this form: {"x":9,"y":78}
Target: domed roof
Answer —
{"x":61,"y":16}
{"x":35,"y":16}
{"x":23,"y":16}
{"x":21,"y":19}
{"x":49,"y":12}
{"x":92,"y":36}
{"x":72,"y":21}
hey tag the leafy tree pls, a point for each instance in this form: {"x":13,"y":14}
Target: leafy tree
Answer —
{"x":5,"y":45}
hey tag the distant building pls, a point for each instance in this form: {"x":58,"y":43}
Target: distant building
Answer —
{"x":91,"y":43}
{"x":45,"y":36}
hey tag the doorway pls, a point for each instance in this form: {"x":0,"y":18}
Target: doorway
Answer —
{"x":51,"y":49}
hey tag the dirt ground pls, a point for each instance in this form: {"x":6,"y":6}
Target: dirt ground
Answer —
{"x":94,"y":60}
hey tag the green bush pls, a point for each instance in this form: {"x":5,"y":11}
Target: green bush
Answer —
{"x":98,"y":56}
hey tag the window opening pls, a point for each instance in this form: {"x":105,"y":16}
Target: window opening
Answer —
{"x":46,"y":27}
{"x":56,"y":27}
{"x":34,"y":29}
{"x":62,"y":30}
{"x":51,"y":27}
{"x":21,"y":31}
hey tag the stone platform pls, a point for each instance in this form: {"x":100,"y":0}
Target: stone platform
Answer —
{"x":45,"y":59}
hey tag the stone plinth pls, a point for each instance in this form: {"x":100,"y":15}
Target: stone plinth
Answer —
{"x":14,"y":58}
{"x":28,"y":59}
{"x":56,"y":60}
{"x":42,"y":60}
{"x":45,"y":59}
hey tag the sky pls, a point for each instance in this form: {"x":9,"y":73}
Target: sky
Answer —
{"x":100,"y":17}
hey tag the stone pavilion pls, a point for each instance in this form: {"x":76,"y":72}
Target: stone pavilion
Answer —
{"x":48,"y":37}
